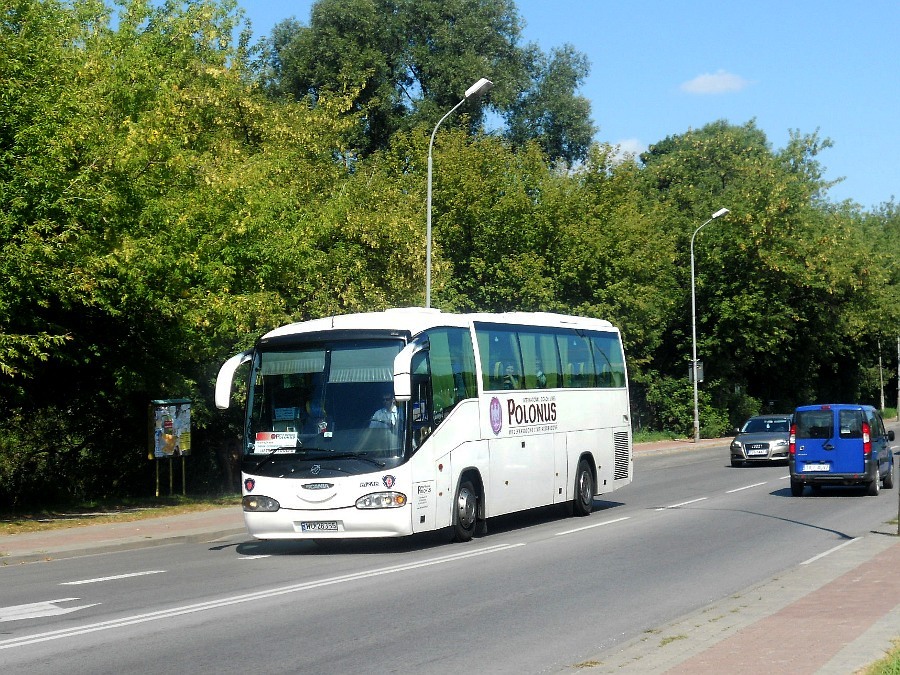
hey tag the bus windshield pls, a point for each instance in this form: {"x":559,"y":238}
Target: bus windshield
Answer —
{"x":325,"y":400}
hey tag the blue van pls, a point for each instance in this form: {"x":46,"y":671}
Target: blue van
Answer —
{"x":840,"y":444}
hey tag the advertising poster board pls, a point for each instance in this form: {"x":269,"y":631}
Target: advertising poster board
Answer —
{"x":170,"y":428}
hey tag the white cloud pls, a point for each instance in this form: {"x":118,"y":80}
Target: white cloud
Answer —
{"x":717,"y":83}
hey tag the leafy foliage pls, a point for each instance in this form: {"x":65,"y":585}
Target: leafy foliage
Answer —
{"x":409,"y":61}
{"x":159,"y":209}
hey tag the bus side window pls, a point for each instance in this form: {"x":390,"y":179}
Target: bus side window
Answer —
{"x":578,"y":364}
{"x":501,"y":359}
{"x":608,"y":360}
{"x":421,"y":404}
{"x":452,"y":363}
{"x":540,"y":360}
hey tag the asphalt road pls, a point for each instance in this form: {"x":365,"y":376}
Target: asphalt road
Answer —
{"x":539,"y":594}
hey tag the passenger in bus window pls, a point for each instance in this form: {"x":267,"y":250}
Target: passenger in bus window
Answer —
{"x":510,"y":378}
{"x":540,"y":377}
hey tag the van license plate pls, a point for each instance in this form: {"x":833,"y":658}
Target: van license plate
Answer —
{"x":817,"y":467}
{"x":319,"y":526}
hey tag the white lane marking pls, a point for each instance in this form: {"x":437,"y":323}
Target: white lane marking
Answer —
{"x":245,"y":597}
{"x":113,"y":578}
{"x":588,"y":527}
{"x":785,"y":477}
{"x":38,"y":610}
{"x":830,"y":551}
{"x":675,"y":506}
{"x":746,"y":487}
{"x":254,"y":557}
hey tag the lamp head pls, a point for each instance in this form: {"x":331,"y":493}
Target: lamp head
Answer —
{"x":483,"y":85}
{"x":720,"y":212}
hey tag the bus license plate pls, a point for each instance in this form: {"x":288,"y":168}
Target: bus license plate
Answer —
{"x":319,"y":526}
{"x":817,"y":467}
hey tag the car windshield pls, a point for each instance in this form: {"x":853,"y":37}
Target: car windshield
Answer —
{"x":763,"y":425}
{"x":325,"y":399}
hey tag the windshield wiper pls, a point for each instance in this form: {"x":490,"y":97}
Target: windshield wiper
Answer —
{"x":350,"y":455}
{"x":274,"y":452}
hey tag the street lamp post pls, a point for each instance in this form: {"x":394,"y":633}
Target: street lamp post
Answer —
{"x":720,"y":212}
{"x":479,"y":87}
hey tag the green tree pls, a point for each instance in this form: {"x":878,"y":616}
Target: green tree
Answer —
{"x":779,"y":280}
{"x":407,"y":62}
{"x":492,"y":233}
{"x":614,"y":261}
{"x":142,"y":181}
{"x":548,"y":110}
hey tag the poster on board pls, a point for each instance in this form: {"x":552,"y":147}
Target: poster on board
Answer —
{"x":170,"y":428}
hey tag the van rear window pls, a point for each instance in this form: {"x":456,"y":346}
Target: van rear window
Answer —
{"x":815,"y":424}
{"x":850,"y":423}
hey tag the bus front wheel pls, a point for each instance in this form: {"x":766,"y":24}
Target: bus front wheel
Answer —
{"x":584,"y":489}
{"x":465,"y":514}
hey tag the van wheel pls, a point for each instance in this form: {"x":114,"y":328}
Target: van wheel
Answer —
{"x":888,"y":481}
{"x":796,"y":488}
{"x":465,"y":512}
{"x":874,"y":485}
{"x":584,"y":489}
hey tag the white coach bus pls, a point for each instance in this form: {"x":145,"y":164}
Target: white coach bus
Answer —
{"x":391,"y":423}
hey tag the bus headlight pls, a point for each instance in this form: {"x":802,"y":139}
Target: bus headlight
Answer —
{"x":259,"y":503}
{"x":381,"y":500}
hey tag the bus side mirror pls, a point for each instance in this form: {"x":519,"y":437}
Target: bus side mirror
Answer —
{"x":226,"y":376}
{"x":403,"y":372}
{"x":891,"y":435}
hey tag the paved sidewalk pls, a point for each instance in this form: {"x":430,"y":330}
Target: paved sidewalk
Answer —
{"x":107,"y":537}
{"x":833,"y":615}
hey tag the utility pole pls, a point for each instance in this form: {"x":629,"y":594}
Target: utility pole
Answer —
{"x":880,"y":376}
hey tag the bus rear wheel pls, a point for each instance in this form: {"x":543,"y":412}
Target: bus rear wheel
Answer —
{"x":584,"y":489}
{"x":465,"y":512}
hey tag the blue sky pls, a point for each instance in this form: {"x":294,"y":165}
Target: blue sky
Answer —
{"x":661,"y":67}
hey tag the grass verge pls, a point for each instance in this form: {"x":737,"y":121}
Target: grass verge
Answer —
{"x":127,"y":510}
{"x":889,"y":665}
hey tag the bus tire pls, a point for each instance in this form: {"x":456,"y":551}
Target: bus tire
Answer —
{"x":583,"y":503}
{"x":465,"y":511}
{"x":797,"y":488}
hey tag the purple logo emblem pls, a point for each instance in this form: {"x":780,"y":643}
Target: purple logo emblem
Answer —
{"x":388,"y":481}
{"x":496,"y":415}
{"x":249,"y":484}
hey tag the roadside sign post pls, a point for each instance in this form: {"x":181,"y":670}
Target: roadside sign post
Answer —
{"x":169,"y":436}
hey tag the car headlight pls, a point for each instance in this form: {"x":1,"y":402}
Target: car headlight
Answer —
{"x":259,"y":503}
{"x":735,"y":445}
{"x":781,"y":444}
{"x":381,"y":500}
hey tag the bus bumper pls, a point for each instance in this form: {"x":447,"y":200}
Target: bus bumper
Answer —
{"x":348,"y":523}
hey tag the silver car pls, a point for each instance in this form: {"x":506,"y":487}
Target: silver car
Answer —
{"x":763,"y":438}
